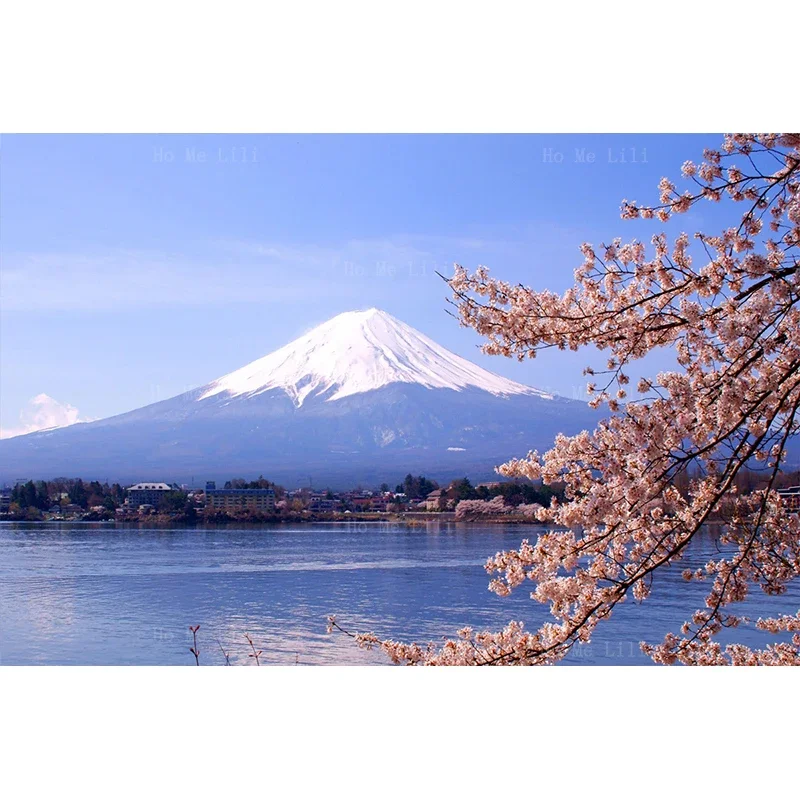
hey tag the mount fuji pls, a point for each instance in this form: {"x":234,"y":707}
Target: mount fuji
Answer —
{"x":362,"y":398}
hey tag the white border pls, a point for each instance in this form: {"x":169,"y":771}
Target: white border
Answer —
{"x":412,"y":66}
{"x":391,"y":67}
{"x":372,"y":732}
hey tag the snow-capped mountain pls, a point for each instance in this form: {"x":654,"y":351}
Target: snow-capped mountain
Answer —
{"x":360,"y":398}
{"x":355,"y":352}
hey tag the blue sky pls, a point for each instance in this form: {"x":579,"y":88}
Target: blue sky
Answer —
{"x":136,"y":267}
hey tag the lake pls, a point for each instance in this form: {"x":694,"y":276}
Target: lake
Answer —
{"x":103,"y":594}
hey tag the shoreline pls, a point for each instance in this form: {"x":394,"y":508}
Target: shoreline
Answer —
{"x":411,"y":519}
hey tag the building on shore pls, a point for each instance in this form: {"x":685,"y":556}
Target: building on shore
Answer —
{"x":262,"y":500}
{"x":147,"y":494}
{"x":323,"y":503}
{"x":435,"y":500}
{"x":382,"y":502}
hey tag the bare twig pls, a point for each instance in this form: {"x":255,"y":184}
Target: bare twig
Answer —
{"x":256,"y":653}
{"x":224,"y":653}
{"x":194,"y":650}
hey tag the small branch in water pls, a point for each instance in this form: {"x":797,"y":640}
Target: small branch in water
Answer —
{"x":227,"y":655}
{"x":194,"y":650}
{"x":256,"y":653}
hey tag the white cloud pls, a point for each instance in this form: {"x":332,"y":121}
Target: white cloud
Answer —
{"x":43,"y":412}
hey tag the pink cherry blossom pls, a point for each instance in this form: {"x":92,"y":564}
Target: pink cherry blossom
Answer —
{"x":642,"y":485}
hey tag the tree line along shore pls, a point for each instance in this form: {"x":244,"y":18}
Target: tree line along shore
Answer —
{"x":261,"y":500}
{"x":415,"y":498}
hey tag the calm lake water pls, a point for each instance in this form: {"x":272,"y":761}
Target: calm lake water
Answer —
{"x":104,"y":594}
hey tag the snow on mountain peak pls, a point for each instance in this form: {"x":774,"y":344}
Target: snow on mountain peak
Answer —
{"x":360,"y":351}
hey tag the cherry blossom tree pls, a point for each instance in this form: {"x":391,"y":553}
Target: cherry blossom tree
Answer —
{"x":643,"y":485}
{"x":496,"y":507}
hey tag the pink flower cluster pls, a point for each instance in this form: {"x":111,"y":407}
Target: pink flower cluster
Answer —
{"x":471,"y":509}
{"x":641,"y":486}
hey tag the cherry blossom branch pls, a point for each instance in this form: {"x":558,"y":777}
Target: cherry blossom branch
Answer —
{"x":734,"y":325}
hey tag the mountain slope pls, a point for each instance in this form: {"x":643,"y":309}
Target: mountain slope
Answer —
{"x":356,"y":352}
{"x":361,"y":398}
